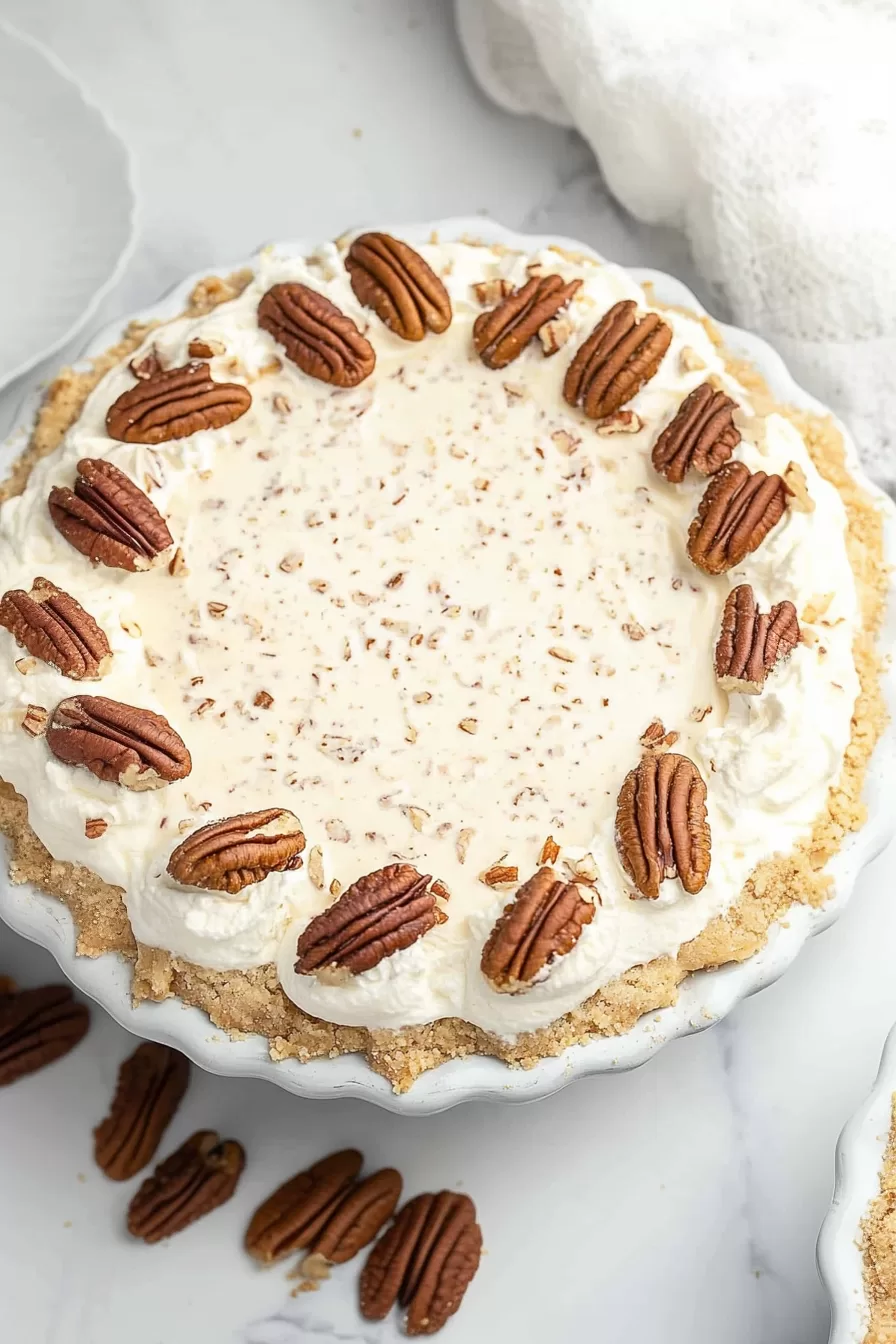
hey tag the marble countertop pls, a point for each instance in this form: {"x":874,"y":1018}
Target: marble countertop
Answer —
{"x":679,"y":1203}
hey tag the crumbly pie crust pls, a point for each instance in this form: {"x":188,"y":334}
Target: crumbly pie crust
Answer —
{"x":878,"y":1241}
{"x":252,"y":1001}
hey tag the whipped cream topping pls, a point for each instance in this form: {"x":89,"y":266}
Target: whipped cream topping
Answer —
{"x":431,"y":615}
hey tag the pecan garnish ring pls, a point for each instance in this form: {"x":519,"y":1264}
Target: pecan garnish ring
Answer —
{"x":122,"y":744}
{"x":402,"y":289}
{"x":502,"y":333}
{"x":379,"y":914}
{"x":108,"y":518}
{"x":424,"y":1262}
{"x":38,"y":1026}
{"x":175,"y":404}
{"x":52,"y":626}
{"x":738,"y":510}
{"x":196,"y":1179}
{"x":661,"y":825}
{"x":234,"y":853}
{"x":151,"y":1085}
{"x":622,"y":353}
{"x":541,"y":923}
{"x":701,"y":435}
{"x":316,"y":335}
{"x":751,"y":642}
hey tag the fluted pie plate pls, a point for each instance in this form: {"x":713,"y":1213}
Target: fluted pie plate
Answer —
{"x":703,"y":997}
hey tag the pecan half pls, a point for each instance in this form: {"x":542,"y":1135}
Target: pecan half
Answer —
{"x":738,"y":510}
{"x":751,"y":642}
{"x":174,"y":404}
{"x":123,"y":744}
{"x":316,"y":335}
{"x":502,"y":334}
{"x":395,"y":281}
{"x":661,"y":825}
{"x":108,"y":518}
{"x":51,"y":625}
{"x":702,"y":435}
{"x":234,"y":853}
{"x":379,"y":914}
{"x":542,"y":922}
{"x":36,"y":1027}
{"x":151,"y":1085}
{"x":622,"y":353}
{"x":196,"y":1179}
{"x":425,"y":1262}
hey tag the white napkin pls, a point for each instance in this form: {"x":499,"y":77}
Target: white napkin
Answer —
{"x":765,"y":130}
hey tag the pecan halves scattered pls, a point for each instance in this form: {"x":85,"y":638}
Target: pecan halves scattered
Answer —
{"x":151,"y":1085}
{"x":316,"y":335}
{"x":542,"y":922}
{"x":36,"y":1027}
{"x":738,"y":510}
{"x":661,"y":825}
{"x":122,"y":744}
{"x":424,"y":1262}
{"x":402,"y":289}
{"x":622,"y":353}
{"x":379,"y":914}
{"x":52,"y":626}
{"x":702,"y":435}
{"x":502,"y":334}
{"x":234,"y":853}
{"x":174,"y":404}
{"x":751,"y":641}
{"x":108,"y":518}
{"x":196,"y":1179}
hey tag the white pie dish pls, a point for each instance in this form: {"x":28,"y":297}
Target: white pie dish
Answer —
{"x":703,"y":998}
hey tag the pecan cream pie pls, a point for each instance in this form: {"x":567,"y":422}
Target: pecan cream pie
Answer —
{"x":431,"y":651}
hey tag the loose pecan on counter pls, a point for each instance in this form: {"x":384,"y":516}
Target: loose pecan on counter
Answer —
{"x":151,"y":1085}
{"x":751,"y":642}
{"x":403,"y":290}
{"x":542,"y":922}
{"x":661,"y":825}
{"x":622,"y":353}
{"x":316,"y":335}
{"x":234,"y":853}
{"x":174,"y":404}
{"x":702,"y":435}
{"x":502,"y":334}
{"x":123,"y":744}
{"x":108,"y":518}
{"x":738,"y":510}
{"x":52,"y":626}
{"x":196,"y":1179}
{"x":36,"y":1027}
{"x":379,"y":914}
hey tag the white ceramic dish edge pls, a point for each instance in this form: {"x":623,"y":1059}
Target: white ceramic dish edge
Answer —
{"x":704,"y":998}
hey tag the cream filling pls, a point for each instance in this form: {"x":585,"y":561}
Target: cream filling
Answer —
{"x":467,"y":606}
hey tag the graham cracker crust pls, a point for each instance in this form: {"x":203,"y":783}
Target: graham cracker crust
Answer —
{"x":878,"y":1242}
{"x":242,"y":1002}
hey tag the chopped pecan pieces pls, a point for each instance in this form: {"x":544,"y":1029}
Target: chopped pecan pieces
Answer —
{"x":36,"y":720}
{"x":379,"y":914}
{"x":502,"y":334}
{"x":51,"y":625}
{"x":738,"y":510}
{"x":151,"y":1085}
{"x":702,"y":435}
{"x":196,"y":1179}
{"x":751,"y":642}
{"x":123,"y":744}
{"x":175,"y":404}
{"x":108,"y":518}
{"x":661,"y":825}
{"x":320,"y":339}
{"x":36,"y":1027}
{"x":425,"y":1262}
{"x":391,"y":278}
{"x":232,"y":854}
{"x":542,"y":922}
{"x":622,"y":353}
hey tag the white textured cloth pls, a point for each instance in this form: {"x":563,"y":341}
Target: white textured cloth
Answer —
{"x":765,"y":130}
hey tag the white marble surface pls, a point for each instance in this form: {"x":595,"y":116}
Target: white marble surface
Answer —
{"x":679,"y":1203}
